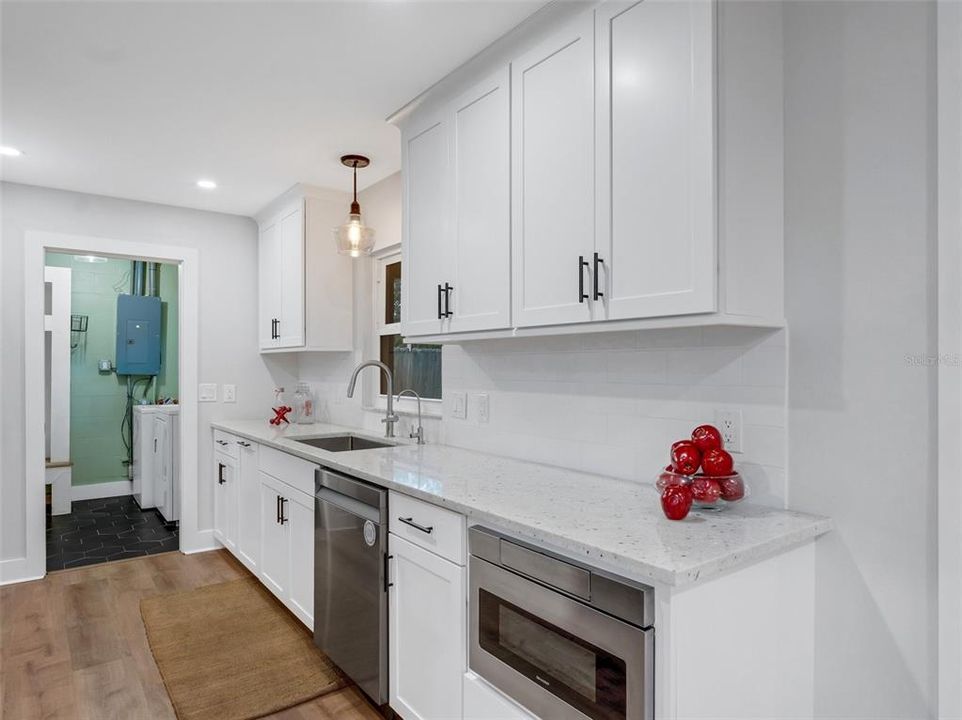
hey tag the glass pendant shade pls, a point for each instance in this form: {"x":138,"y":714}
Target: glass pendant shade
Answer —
{"x":354,"y":238}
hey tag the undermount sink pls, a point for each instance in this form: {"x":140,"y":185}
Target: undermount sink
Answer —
{"x":343,"y":443}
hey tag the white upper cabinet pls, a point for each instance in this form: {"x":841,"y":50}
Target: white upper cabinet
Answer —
{"x":425,"y":233}
{"x":305,"y":292}
{"x":457,"y":244}
{"x":269,"y":284}
{"x":646,"y":175}
{"x":553,"y":170}
{"x":655,"y":158}
{"x":479,"y":121}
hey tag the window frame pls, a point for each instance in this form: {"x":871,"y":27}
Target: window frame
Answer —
{"x":430,"y":407}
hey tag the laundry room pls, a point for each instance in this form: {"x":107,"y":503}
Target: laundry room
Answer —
{"x":112,"y":414}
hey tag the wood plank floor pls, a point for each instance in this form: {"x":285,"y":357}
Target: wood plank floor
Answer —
{"x":73,"y":644}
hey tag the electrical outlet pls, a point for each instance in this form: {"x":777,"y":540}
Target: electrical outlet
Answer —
{"x":207,"y":392}
{"x":729,"y":424}
{"x":230,"y":393}
{"x":459,"y":405}
{"x":484,"y":408}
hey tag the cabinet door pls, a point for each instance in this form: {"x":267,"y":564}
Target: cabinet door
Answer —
{"x":268,"y":285}
{"x":656,"y":218}
{"x":290,"y":231}
{"x":225,"y":509}
{"x":426,"y":243}
{"x":480,"y":123}
{"x":553,"y":191}
{"x":427,"y":621}
{"x":248,"y":492}
{"x":275,"y":564}
{"x":298,"y":516}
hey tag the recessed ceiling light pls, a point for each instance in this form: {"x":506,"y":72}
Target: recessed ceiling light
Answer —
{"x":9,"y":151}
{"x":206,"y":184}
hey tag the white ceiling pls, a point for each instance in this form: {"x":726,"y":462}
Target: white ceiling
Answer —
{"x":141,"y":99}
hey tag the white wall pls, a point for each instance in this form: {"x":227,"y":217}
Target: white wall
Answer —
{"x":860,"y":298}
{"x":227,"y":343}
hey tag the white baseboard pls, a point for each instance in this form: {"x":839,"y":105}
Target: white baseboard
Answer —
{"x":15,"y":571}
{"x":202,"y":541}
{"x":102,"y":490}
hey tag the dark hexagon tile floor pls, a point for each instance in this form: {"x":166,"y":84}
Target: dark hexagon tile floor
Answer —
{"x":106,"y":529}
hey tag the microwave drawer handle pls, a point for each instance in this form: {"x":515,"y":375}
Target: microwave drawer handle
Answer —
{"x":428,"y":529}
{"x":551,"y":571}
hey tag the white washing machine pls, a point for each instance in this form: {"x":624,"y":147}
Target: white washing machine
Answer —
{"x":156,"y":458}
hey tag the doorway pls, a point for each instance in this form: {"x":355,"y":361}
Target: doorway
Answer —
{"x":37,"y":244}
{"x":112,"y":413}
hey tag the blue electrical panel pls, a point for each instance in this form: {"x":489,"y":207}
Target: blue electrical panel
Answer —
{"x":138,"y":335}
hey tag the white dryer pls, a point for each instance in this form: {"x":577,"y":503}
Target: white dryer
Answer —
{"x":156,"y":458}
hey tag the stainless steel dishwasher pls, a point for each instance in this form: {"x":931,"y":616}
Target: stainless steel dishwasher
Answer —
{"x":350,"y":578}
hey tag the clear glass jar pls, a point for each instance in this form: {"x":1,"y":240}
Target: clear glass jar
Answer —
{"x":303,"y":404}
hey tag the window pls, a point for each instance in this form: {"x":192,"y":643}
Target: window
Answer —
{"x":414,"y":366}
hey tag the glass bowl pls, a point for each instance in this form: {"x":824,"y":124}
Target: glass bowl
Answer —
{"x":712,"y":492}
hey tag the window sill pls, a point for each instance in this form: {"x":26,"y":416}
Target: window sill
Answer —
{"x":409,"y":408}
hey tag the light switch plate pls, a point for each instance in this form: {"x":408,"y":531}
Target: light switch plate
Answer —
{"x":459,"y":405}
{"x":230,"y":393}
{"x":484,"y":408}
{"x":207,"y":392}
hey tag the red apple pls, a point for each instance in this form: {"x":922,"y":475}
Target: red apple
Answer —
{"x":705,"y":490}
{"x":676,"y":502}
{"x":717,"y":463}
{"x":707,"y":437}
{"x":732,"y":487}
{"x":685,"y":457}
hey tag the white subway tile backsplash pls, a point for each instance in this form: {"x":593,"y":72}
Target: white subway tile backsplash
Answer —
{"x":765,"y":367}
{"x":636,"y":367}
{"x":607,"y":403}
{"x":705,"y":366}
{"x":612,"y":403}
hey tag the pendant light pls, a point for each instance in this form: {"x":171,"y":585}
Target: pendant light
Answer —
{"x":353,"y":237}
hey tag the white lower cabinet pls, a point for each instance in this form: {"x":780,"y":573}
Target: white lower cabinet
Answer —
{"x":427,"y":621}
{"x":298,"y":517}
{"x":287,"y":546}
{"x":267,"y":520}
{"x":483,"y":702}
{"x":225,"y":506}
{"x":248,"y":493}
{"x":275,"y":566}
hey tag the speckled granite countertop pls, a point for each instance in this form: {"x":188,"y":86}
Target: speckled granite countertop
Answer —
{"x":614,"y":524}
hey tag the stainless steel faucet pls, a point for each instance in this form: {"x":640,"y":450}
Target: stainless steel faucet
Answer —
{"x":419,"y":433}
{"x":390,"y":418}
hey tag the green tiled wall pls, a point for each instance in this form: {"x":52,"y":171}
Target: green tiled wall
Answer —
{"x":97,"y":401}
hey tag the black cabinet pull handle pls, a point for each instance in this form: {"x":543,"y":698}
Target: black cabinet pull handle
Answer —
{"x":277,"y":516}
{"x":220,"y":474}
{"x":283,"y":516}
{"x":597,"y":261}
{"x":582,"y":264}
{"x":387,"y":571}
{"x":440,"y":315}
{"x":428,"y":529}
{"x":447,"y":300}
